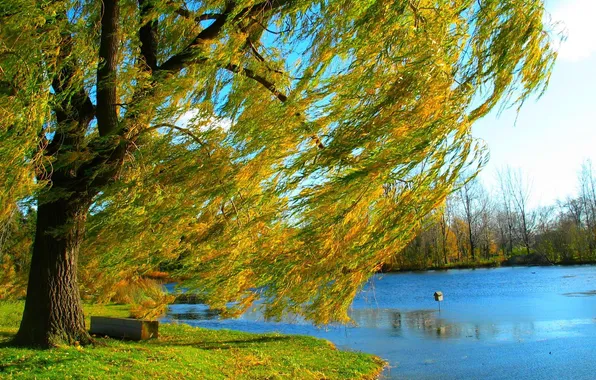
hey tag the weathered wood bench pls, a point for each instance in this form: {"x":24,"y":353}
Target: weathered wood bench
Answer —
{"x":124,"y":328}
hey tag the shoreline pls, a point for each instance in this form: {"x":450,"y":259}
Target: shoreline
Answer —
{"x":489,"y":265}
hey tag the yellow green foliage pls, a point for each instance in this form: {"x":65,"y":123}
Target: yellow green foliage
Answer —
{"x":277,"y":150}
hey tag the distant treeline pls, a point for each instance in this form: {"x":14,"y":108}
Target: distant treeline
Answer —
{"x":481,"y":228}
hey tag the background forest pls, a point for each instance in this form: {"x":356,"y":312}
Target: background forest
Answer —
{"x":493,"y":227}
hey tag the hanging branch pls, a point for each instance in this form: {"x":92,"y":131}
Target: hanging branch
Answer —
{"x":273,"y":89}
{"x":173,"y":126}
{"x":188,"y":55}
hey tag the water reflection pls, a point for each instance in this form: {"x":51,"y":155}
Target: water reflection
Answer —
{"x":430,"y":324}
{"x":581,"y":294}
{"x":426,"y":324}
{"x":193,"y":313}
{"x":491,"y":320}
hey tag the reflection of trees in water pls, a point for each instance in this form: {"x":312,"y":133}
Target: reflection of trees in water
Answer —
{"x":194,"y":314}
{"x":201,"y":312}
{"x":522,"y":330}
{"x":430,"y":324}
{"x":396,"y":320}
{"x":368,"y":318}
{"x":426,"y":322}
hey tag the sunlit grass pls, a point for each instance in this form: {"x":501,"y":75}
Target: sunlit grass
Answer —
{"x":182,"y":352}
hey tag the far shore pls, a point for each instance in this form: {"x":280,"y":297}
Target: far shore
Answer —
{"x":516,"y":261}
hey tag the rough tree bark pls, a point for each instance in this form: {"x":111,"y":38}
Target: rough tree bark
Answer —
{"x":53,"y":312}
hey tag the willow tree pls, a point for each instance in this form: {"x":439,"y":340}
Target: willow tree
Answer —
{"x":278,"y":149}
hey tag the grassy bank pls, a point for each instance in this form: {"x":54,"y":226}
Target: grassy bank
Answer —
{"x":182,"y":352}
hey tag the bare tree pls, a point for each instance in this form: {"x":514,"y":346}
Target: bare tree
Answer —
{"x":473,"y":204}
{"x":518,"y":190}
{"x":506,"y":215}
{"x":587,"y":200}
{"x":471,"y":221}
{"x":444,"y":222}
{"x":486,"y":225}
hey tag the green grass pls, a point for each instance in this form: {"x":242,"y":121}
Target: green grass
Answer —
{"x":182,"y":352}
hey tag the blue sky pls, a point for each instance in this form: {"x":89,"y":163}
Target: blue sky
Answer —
{"x":555,"y":134}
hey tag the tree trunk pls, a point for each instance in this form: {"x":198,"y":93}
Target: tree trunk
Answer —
{"x":471,"y":240}
{"x":510,"y":240}
{"x":53,"y":312}
{"x":444,"y":237}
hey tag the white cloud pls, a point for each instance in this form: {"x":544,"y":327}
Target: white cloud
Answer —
{"x":190,"y":117}
{"x":186,"y":118}
{"x":578,"y":21}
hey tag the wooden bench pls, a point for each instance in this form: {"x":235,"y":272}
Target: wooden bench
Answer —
{"x":124,"y":328}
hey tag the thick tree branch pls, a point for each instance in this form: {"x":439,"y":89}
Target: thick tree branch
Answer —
{"x":148,"y":36}
{"x":179,"y":61}
{"x":73,"y":116}
{"x":189,"y":55}
{"x":262,"y":59}
{"x":262,"y":8}
{"x":256,"y":53}
{"x":262,"y":80}
{"x":74,"y":112}
{"x":107,"y":115}
{"x":204,"y":17}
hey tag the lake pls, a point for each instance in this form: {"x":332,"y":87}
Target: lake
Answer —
{"x":502,"y":323}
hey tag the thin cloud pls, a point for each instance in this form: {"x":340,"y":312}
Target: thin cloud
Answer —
{"x":191,"y":117}
{"x":577,"y":18}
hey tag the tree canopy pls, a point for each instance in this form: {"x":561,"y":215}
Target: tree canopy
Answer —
{"x":278,"y":150}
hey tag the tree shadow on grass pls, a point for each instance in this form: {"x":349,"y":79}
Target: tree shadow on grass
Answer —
{"x":224,"y":344}
{"x":22,"y":365}
{"x":6,"y":338}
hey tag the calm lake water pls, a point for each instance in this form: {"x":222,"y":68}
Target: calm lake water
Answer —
{"x":503,"y":323}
